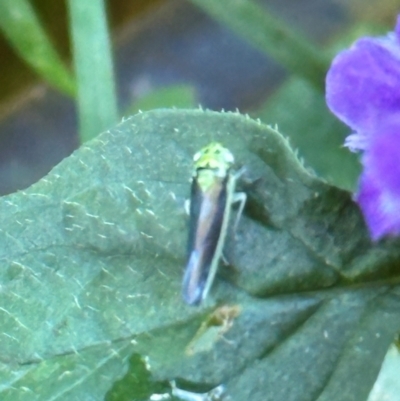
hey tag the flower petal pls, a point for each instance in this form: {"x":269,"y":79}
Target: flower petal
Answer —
{"x":363,"y":90}
{"x":378,"y":208}
{"x":363,"y":83}
{"x":379,"y":193}
{"x":384,"y":155}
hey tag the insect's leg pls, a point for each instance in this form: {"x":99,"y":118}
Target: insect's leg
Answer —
{"x":217,"y":393}
{"x":239,"y":197}
{"x":187,"y":206}
{"x":239,"y":173}
{"x":224,"y":259}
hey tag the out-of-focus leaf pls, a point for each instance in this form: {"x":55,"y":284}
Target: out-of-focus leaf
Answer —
{"x":301,"y":114}
{"x":21,"y":26}
{"x":387,"y":386}
{"x":92,"y":258}
{"x":138,"y":378}
{"x":178,"y":96}
{"x":97,"y":102}
{"x":270,"y":35}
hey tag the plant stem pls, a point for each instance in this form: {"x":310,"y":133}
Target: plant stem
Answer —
{"x":97,"y":104}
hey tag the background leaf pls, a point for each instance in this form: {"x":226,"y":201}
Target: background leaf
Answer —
{"x":21,"y":26}
{"x":270,"y":35}
{"x":179,"y":96}
{"x":387,"y":386}
{"x":92,"y":258}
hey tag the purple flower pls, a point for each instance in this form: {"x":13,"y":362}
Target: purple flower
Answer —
{"x":363,"y":90}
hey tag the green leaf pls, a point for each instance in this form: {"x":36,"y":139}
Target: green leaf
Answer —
{"x":97,"y":102}
{"x":92,"y":258}
{"x":138,"y":378}
{"x":387,"y":386}
{"x":22,"y":28}
{"x":313,"y":130}
{"x":272,"y":36}
{"x":178,"y":96}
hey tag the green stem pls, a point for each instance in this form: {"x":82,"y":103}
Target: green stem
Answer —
{"x":97,"y":104}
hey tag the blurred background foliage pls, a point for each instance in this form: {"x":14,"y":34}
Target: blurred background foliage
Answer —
{"x":172,"y":53}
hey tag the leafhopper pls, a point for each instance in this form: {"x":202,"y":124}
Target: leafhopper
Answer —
{"x":211,"y":198}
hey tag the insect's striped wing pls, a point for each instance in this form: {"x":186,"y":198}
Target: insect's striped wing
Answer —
{"x":207,"y":210}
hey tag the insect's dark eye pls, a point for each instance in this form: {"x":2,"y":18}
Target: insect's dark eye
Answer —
{"x":218,"y":151}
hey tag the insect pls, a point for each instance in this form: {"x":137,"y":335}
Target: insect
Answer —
{"x":212,"y":194}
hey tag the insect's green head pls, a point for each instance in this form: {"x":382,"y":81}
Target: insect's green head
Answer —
{"x":214,"y":156}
